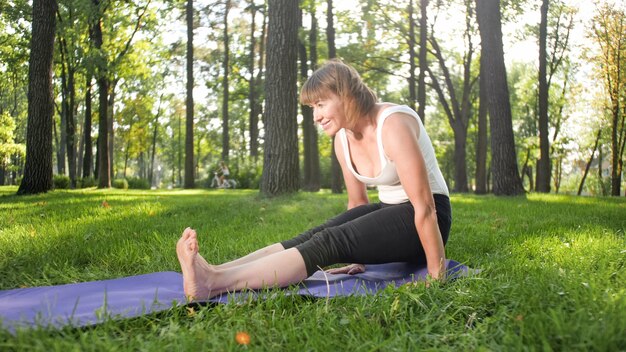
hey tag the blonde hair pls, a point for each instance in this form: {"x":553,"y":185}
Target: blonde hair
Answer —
{"x":344,"y":81}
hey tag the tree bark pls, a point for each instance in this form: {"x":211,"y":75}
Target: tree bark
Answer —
{"x":588,"y":166}
{"x":258,"y":107}
{"x":38,"y":168}
{"x":481,"y":138}
{"x":506,"y":180}
{"x":88,"y":148}
{"x":336,"y":180}
{"x":543,"y":164}
{"x":458,"y":109}
{"x":252,"y":88}
{"x":112,"y":85}
{"x":412,"y":57}
{"x":103,"y":165}
{"x":421,"y":78}
{"x":311,"y":181}
{"x":225,"y":87}
{"x":189,"y":169}
{"x":280,"y":164}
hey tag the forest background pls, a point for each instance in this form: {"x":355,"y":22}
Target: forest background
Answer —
{"x":127,"y":69}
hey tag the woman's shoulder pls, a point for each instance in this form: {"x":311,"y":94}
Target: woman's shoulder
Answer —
{"x":388,"y":109}
{"x":394,"y":110}
{"x":398,"y":119}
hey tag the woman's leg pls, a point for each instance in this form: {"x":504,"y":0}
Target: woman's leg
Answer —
{"x":202,"y":280}
{"x":382,"y":236}
{"x":278,"y":247}
{"x":258,"y":254}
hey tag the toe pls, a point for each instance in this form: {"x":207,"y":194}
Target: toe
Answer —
{"x":187,"y":233}
{"x":191,"y":247}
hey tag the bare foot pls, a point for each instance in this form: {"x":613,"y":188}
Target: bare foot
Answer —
{"x":197,"y":272}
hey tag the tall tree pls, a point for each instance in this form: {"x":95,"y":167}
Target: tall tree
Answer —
{"x":336,"y":180}
{"x":609,"y":32}
{"x":87,"y":141}
{"x":481,"y":138}
{"x":458,"y":107}
{"x":280,"y":161}
{"x":252,"y":86}
{"x":189,"y":167}
{"x":258,"y":85}
{"x":69,"y":64}
{"x":506,"y":180}
{"x":543,"y":164}
{"x":423,"y":63}
{"x":412,"y":56}
{"x":225,"y":86}
{"x":309,"y":133}
{"x":104,"y":166}
{"x":38,"y":168}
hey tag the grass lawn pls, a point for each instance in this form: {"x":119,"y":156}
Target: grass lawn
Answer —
{"x":553,"y":273}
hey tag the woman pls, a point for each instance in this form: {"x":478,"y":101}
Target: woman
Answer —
{"x":376,"y":143}
{"x":224,"y":173}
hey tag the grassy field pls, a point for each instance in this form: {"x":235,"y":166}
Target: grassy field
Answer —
{"x":553,"y":273}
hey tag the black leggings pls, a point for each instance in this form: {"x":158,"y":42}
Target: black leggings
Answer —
{"x":369,"y":234}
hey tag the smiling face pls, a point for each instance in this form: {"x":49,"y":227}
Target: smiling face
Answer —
{"x":329,"y":114}
{"x":338,"y":96}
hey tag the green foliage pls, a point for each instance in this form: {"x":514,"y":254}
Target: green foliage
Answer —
{"x":552,"y":273}
{"x":120,"y":183}
{"x":8,"y":147}
{"x":61,"y":182}
{"x":248,"y":174}
{"x":86,"y":182}
{"x":137,"y":183}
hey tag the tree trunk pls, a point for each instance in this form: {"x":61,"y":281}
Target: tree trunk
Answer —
{"x":57,"y":145}
{"x":112,"y":85}
{"x":88,"y":158}
{"x":62,"y":153}
{"x":309,"y":133}
{"x":189,"y":169}
{"x":103,"y":165}
{"x":460,"y":159}
{"x":258,"y":107}
{"x":155,"y":131}
{"x":71,"y":128}
{"x":252,"y":88}
{"x":280,"y":166}
{"x":481,"y":138}
{"x":588,"y":166}
{"x":180,"y":152}
{"x":421,"y":78}
{"x":600,"y":175}
{"x":225,"y":87}
{"x":506,"y":180}
{"x":38,"y":168}
{"x":152,"y":153}
{"x":312,"y":177}
{"x":412,"y":57}
{"x":336,"y":180}
{"x":458,"y":110}
{"x":543,"y":164}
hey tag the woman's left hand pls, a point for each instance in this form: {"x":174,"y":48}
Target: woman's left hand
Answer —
{"x":348,"y":269}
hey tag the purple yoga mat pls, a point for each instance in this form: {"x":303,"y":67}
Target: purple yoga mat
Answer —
{"x":89,"y":303}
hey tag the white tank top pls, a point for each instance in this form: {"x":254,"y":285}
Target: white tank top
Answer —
{"x":390,"y":189}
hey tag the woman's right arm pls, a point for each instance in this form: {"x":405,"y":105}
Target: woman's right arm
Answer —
{"x":357,"y":195}
{"x":357,"y":191}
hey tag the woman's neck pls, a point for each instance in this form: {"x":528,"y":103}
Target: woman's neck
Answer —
{"x":365,"y":124}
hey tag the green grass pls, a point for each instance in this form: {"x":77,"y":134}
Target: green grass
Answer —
{"x":553,"y":273}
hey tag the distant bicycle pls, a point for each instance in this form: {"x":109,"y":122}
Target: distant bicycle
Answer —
{"x":228,"y":182}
